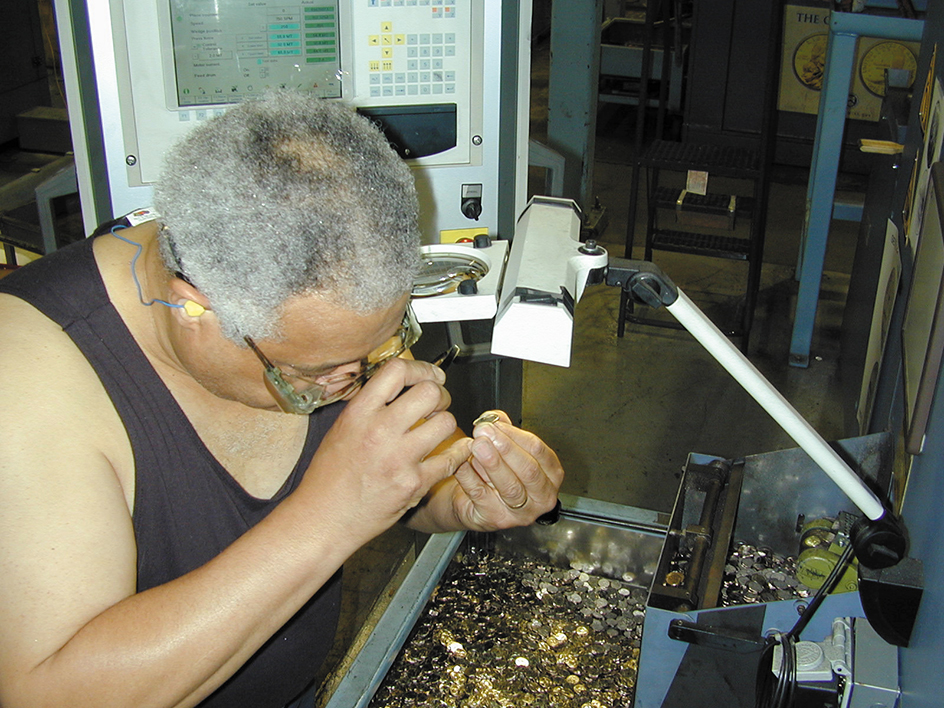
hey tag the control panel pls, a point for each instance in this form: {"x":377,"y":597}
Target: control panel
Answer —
{"x":446,"y":81}
{"x":409,"y":64}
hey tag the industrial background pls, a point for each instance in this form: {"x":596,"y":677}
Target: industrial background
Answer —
{"x":817,"y":132}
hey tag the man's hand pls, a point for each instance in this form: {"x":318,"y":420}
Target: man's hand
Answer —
{"x":510,"y":478}
{"x":375,"y":463}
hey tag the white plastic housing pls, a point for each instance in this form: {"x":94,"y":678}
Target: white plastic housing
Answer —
{"x":454,"y":306}
{"x":545,"y":277}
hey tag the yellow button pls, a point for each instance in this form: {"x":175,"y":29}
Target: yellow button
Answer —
{"x":399,"y":39}
{"x":386,"y":39}
{"x":461,"y":235}
{"x":386,"y":52}
{"x":374,"y":66}
{"x":387,"y":66}
{"x":373,"y":40}
{"x":386,"y":27}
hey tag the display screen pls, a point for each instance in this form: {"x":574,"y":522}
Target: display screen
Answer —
{"x":226,"y":51}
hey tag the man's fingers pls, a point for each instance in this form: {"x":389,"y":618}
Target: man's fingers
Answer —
{"x":510,"y":482}
{"x":397,"y":375}
{"x":449,"y":461}
{"x":524,"y":452}
{"x":521,"y":469}
{"x":472,"y":484}
{"x":411,"y":390}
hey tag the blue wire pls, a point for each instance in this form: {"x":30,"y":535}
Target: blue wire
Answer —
{"x":134,"y":273}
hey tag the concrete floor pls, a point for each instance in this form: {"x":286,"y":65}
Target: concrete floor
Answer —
{"x":627,"y":412}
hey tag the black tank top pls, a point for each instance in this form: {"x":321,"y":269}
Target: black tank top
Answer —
{"x":187,"y":507}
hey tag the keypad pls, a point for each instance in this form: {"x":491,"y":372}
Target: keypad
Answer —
{"x":413,"y":63}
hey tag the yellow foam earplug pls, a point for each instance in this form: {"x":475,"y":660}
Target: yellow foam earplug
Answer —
{"x":194,"y":309}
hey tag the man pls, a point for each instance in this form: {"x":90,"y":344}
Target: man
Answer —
{"x":169,"y":535}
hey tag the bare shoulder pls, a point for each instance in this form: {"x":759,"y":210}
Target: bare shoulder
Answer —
{"x":66,"y":545}
{"x":49,"y":394}
{"x":46,"y":384}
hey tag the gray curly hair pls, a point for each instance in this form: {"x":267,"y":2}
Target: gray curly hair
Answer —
{"x":286,"y":196}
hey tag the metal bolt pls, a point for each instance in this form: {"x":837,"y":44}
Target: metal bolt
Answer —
{"x":131,"y":160}
{"x":476,"y":139}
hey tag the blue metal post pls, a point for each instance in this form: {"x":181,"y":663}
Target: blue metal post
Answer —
{"x":572,"y":93}
{"x":844,"y":29}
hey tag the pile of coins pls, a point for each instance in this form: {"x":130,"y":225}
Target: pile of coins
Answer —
{"x":753,"y":575}
{"x":504,"y":633}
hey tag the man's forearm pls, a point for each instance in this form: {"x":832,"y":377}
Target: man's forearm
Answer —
{"x":175,"y":644}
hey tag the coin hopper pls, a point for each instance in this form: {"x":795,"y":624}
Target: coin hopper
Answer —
{"x":613,"y":605}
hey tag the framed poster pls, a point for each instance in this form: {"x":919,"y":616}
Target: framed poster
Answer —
{"x":803,"y":64}
{"x":930,"y":152}
{"x":923,"y":330}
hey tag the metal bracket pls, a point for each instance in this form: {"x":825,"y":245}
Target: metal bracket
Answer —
{"x":643,"y":281}
{"x":727,"y":640}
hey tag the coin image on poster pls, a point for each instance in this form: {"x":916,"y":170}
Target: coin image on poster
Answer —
{"x":925,"y":106}
{"x":809,"y":61}
{"x":886,"y":55}
{"x":933,"y":131}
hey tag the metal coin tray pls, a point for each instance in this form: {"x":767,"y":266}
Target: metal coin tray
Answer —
{"x":502,"y":632}
{"x":549,"y":616}
{"x":537,"y":616}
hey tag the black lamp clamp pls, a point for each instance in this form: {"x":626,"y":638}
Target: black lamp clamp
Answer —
{"x":643,"y":281}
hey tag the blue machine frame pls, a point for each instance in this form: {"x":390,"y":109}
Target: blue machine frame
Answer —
{"x":845,"y":28}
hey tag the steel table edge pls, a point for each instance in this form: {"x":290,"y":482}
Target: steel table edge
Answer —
{"x":375,"y":658}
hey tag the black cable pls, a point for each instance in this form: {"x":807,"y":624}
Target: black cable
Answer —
{"x":762,"y":690}
{"x":790,"y":675}
{"x":824,"y":590}
{"x":777,"y":691}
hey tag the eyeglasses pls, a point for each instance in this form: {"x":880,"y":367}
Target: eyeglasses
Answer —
{"x":309,"y":393}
